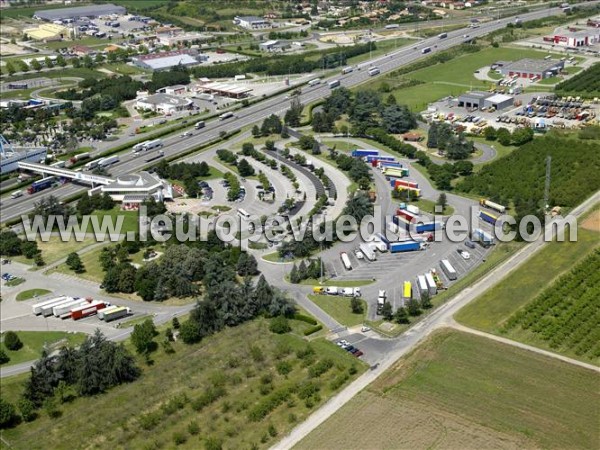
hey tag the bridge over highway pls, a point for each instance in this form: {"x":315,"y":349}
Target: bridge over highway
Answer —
{"x":66,"y":173}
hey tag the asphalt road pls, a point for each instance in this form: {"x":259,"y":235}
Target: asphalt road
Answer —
{"x":279,"y":104}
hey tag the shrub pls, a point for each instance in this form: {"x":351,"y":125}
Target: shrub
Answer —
{"x":284,"y":367}
{"x":312,"y":330}
{"x":303,"y":318}
{"x":12,"y":341}
{"x":3,"y":357}
{"x":193,"y":428}
{"x":280,"y":325}
{"x":8,"y":414}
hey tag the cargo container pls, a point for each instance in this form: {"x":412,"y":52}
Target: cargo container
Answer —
{"x":495,"y":206}
{"x":48,"y":309}
{"x":114,"y":314}
{"x":424,"y":227}
{"x":346,"y":261}
{"x":374,"y":71}
{"x":333,"y":84}
{"x":102,"y":312}
{"x":485,"y":239}
{"x":431,"y":285}
{"x":422,"y":285}
{"x":395,"y":172}
{"x":108,"y":161}
{"x":40,"y":185}
{"x":88,"y":310}
{"x":381,"y":300}
{"x":448,"y":269}
{"x":407,"y":215}
{"x":64,"y":308}
{"x":488,"y":217}
{"x":360,"y":153}
{"x":407,"y":290}
{"x":407,"y":246}
{"x":391,"y":164}
{"x":350,"y":292}
{"x":367,"y":251}
{"x":379,"y":158}
{"x":402,"y":223}
{"x":37,"y":308}
{"x":200,"y":124}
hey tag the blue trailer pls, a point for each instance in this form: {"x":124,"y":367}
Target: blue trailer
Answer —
{"x":428,"y":227}
{"x":380,"y":158}
{"x":383,"y":238}
{"x":361,"y":153}
{"x":488,"y":217}
{"x":408,"y":246}
{"x":401,"y":222}
{"x":390,"y":164}
{"x":40,"y":185}
{"x":485,"y":239}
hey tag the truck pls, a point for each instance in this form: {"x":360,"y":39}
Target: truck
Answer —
{"x":395,"y":172}
{"x":410,"y":217}
{"x":422,"y":285}
{"x":495,"y":206}
{"x":48,"y":310}
{"x":378,"y":158}
{"x":413,"y":209}
{"x":436,"y":278}
{"x":59,"y":164}
{"x":318,"y":290}
{"x":332,"y":290}
{"x":200,"y":124}
{"x":361,"y":153}
{"x":350,"y":292}
{"x":108,"y":161}
{"x":333,"y":84}
{"x":424,"y":227}
{"x":401,"y":223}
{"x":314,"y":82}
{"x":485,"y":239}
{"x":346,"y":261}
{"x":79,"y":157}
{"x":392,"y":164}
{"x":381,"y":299}
{"x":88,"y":310}
{"x":448,"y":269}
{"x":102,"y":312}
{"x":488,"y":217}
{"x":151,"y":145}
{"x":407,"y":246}
{"x":37,"y":307}
{"x":138,"y":148}
{"x":65,"y":308}
{"x":366,"y":249}
{"x":374,"y":71}
{"x":226,"y":115}
{"x":347,"y":70}
{"x":407,"y":290}
{"x":16,"y":194}
{"x":426,"y":50}
{"x":114,"y":314}
{"x":91,"y":165}
{"x":431,"y":285}
{"x":383,"y":238}
{"x":442,"y":35}
{"x":395,"y":183}
{"x":40,"y":185}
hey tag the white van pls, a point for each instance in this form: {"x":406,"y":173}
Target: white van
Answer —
{"x":16,"y":194}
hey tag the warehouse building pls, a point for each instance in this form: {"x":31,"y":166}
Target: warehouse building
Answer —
{"x":176,"y":39}
{"x":167,"y":60}
{"x":91,"y":11}
{"x":577,"y":38}
{"x":498,"y":101}
{"x":224,"y":89}
{"x":251,"y":22}
{"x":473,"y":99}
{"x":133,"y":189}
{"x":163,"y":103}
{"x":533,"y":68}
{"x":274,"y":46}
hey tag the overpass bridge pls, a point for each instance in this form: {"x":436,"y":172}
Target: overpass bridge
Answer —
{"x":81,"y":177}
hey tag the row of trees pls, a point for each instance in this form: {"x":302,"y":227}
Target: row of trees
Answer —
{"x":12,"y":245}
{"x":306,"y":270}
{"x":519,"y":136}
{"x":454,"y":145}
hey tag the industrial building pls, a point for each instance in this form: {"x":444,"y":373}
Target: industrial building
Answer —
{"x":481,"y":100}
{"x":167,"y":60}
{"x":274,"y":46}
{"x":224,"y":89}
{"x":10,"y":156}
{"x":163,"y":103}
{"x":532,"y":68}
{"x":91,"y":11}
{"x":176,"y":39}
{"x":251,"y":22}
{"x":582,"y":38}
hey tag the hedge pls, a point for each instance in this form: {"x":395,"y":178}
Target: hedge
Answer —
{"x":312,"y":330}
{"x":305,"y":318}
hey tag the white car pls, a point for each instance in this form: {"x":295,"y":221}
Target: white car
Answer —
{"x":359,"y":254}
{"x":465,"y":255}
{"x":186,"y":134}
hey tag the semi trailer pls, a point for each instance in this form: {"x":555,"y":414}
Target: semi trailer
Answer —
{"x":488,"y":217}
{"x":369,"y":253}
{"x":40,"y":185}
{"x":407,"y":246}
{"x":495,"y":206}
{"x":448,"y":269}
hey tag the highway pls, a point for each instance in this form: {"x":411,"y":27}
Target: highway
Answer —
{"x":278,"y":104}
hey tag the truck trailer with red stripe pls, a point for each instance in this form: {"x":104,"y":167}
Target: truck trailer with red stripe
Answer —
{"x":88,"y":310}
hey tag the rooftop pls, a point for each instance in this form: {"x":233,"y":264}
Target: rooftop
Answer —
{"x":498,"y":98}
{"x":79,"y":11}
{"x":250,"y":18}
{"x":161,"y":99}
{"x":476,"y":94}
{"x":532,"y":65}
{"x":226,"y":87}
{"x":167,"y":59}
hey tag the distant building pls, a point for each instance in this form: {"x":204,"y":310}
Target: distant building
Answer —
{"x":134,"y":189}
{"x":274,"y":46}
{"x":48,"y":32}
{"x":163,"y":103}
{"x":11,"y":156}
{"x":477,"y":99}
{"x":174,"y":90}
{"x":223,"y":89}
{"x":577,"y":38}
{"x":81,"y":50}
{"x":167,"y":60}
{"x":50,"y":15}
{"x":176,"y":39}
{"x":532,"y":68}
{"x":251,"y":22}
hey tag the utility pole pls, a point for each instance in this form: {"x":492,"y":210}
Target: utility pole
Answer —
{"x":547,"y":186}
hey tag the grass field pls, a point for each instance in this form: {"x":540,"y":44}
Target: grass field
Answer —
{"x":338,"y":307}
{"x":462,"y":391}
{"x":90,"y":260}
{"x":55,"y":249}
{"x":428,"y":206}
{"x":31,"y":293}
{"x":248,"y":362}
{"x":491,"y":311}
{"x":34,"y":341}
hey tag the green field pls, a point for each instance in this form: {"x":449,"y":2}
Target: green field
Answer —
{"x":31,"y":293}
{"x":55,"y":249}
{"x":249,"y":362}
{"x":491,"y":311}
{"x":338,"y":307}
{"x":34,"y":341}
{"x":93,"y":269}
{"x":462,"y":391}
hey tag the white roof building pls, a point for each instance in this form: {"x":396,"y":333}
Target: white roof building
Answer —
{"x":251,"y":22}
{"x":135,"y":188}
{"x":164,"y":103}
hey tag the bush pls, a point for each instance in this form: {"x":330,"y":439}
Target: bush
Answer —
{"x":304,"y":318}
{"x":312,"y":330}
{"x":8,"y":414}
{"x":179,"y":438}
{"x":12,"y":341}
{"x":280,"y":325}
{"x":4,"y":358}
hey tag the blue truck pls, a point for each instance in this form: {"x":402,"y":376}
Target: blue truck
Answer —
{"x":423,"y":227}
{"x":488,"y":217}
{"x":361,"y":153}
{"x":485,"y":239}
{"x":408,"y":246}
{"x":40,"y":185}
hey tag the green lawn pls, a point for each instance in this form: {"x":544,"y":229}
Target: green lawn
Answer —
{"x":130,"y":219}
{"x":244,"y":361}
{"x":31,"y":293}
{"x":501,"y":150}
{"x":34,"y":341}
{"x":81,"y":72}
{"x":457,"y":390}
{"x":492,"y":309}
{"x":93,"y":270}
{"x":55,"y":249}
{"x":428,"y":206}
{"x":339,"y":283}
{"x":338,"y":307}
{"x":15,"y":282}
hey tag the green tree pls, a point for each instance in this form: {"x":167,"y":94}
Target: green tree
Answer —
{"x":386,"y":311}
{"x":143,"y":336}
{"x":8,"y":414}
{"x":36,"y":65}
{"x":442,"y":201}
{"x":358,"y":206}
{"x":490,"y":133}
{"x":10,"y":68}
{"x":76,"y":62}
{"x":256,"y":131}
{"x":10,"y":244}
{"x":401,"y":316}
{"x":60,"y":61}
{"x":27,"y":410}
{"x":48,"y":62}
{"x":74,"y":263}
{"x":280,"y":325}
{"x":398,"y":119}
{"x":269,"y":145}
{"x":245,"y":169}
{"x":425,"y":300}
{"x":503,"y":136}
{"x":413,"y":307}
{"x":356,"y":305}
{"x":3,"y":357}
{"x":12,"y":341}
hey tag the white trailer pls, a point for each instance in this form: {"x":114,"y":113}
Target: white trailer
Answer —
{"x":64,"y":308}
{"x":346,"y":261}
{"x":350,"y":292}
{"x":138,"y":148}
{"x":48,"y":310}
{"x":448,"y":269}
{"x":114,"y":314}
{"x":105,"y":162}
{"x":422,"y":284}
{"x":108,"y":309}
{"x":151,"y":145}
{"x":431,"y":283}
{"x":366,"y":249}
{"x":92,"y":164}
{"x":37,"y":308}
{"x":332,"y":290}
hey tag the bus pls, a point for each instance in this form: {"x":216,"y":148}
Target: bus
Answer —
{"x":243,"y":214}
{"x":314,"y":82}
{"x":333,"y":84}
{"x":374,"y":71}
{"x":448,"y":269}
{"x":151,"y":145}
{"x":346,"y":261}
{"x":426,"y":50}
{"x":226,"y":115}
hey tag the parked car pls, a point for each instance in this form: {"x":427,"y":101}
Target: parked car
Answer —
{"x":465,"y":255}
{"x":470,"y":244}
{"x":359,"y":254}
{"x":358,"y":354}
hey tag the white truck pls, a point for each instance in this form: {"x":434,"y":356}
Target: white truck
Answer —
{"x":350,"y":292}
{"x":381,"y":299}
{"x":367,"y":251}
{"x":37,"y":308}
{"x":331,"y":290}
{"x":16,"y":194}
{"x":64,"y":308}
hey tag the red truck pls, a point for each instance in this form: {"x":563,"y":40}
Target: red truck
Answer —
{"x":88,"y":310}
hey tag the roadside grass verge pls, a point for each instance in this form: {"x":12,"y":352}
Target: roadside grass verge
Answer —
{"x":56,"y":249}
{"x":34,"y":342}
{"x":339,"y":308}
{"x":31,"y":293}
{"x":458,"y":390}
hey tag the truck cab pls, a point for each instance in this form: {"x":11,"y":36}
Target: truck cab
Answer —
{"x":319,"y":290}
